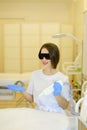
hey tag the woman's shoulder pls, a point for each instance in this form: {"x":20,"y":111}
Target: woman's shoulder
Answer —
{"x":36,"y":72}
{"x":62,"y":76}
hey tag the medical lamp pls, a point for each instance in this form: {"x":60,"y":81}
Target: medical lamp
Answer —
{"x":62,"y":35}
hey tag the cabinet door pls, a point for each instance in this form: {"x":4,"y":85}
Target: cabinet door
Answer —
{"x":67,"y":44}
{"x":30,"y":42}
{"x":11,"y":48}
{"x":1,"y":48}
{"x":47,"y":32}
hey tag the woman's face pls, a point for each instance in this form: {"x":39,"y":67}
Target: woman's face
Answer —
{"x":46,"y":62}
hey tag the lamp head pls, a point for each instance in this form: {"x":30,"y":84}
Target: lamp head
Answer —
{"x":59,"y":35}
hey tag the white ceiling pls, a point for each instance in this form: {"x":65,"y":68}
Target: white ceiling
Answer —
{"x":37,"y":1}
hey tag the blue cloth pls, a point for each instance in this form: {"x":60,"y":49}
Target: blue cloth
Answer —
{"x":57,"y":88}
{"x":15,"y":88}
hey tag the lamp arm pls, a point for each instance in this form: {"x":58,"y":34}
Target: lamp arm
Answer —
{"x":61,"y":35}
{"x":73,"y":37}
{"x":77,"y":58}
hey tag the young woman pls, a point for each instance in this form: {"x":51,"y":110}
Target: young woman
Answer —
{"x":48,"y":88}
{"x":58,"y":99}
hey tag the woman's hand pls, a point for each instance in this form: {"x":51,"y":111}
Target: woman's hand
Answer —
{"x":15,"y":88}
{"x":57,"y":93}
{"x":57,"y":88}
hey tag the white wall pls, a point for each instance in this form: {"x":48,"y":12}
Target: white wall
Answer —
{"x":38,"y":11}
{"x":21,"y":44}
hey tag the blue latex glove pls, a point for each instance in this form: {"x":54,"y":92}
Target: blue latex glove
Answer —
{"x":57,"y":88}
{"x":15,"y":88}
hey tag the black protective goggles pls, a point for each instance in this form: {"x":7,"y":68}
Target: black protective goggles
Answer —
{"x":44,"y":55}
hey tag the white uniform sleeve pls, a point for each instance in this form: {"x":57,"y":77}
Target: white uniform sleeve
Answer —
{"x":30,"y":86}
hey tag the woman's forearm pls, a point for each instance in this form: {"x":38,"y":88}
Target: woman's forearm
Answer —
{"x":62,"y":101}
{"x":28,"y":97}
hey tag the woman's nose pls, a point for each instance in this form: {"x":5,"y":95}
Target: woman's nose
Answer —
{"x":44,"y":58}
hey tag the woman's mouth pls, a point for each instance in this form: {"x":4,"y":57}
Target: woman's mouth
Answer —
{"x":44,"y":62}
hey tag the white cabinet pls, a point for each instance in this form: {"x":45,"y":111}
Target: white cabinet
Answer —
{"x":20,"y":44}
